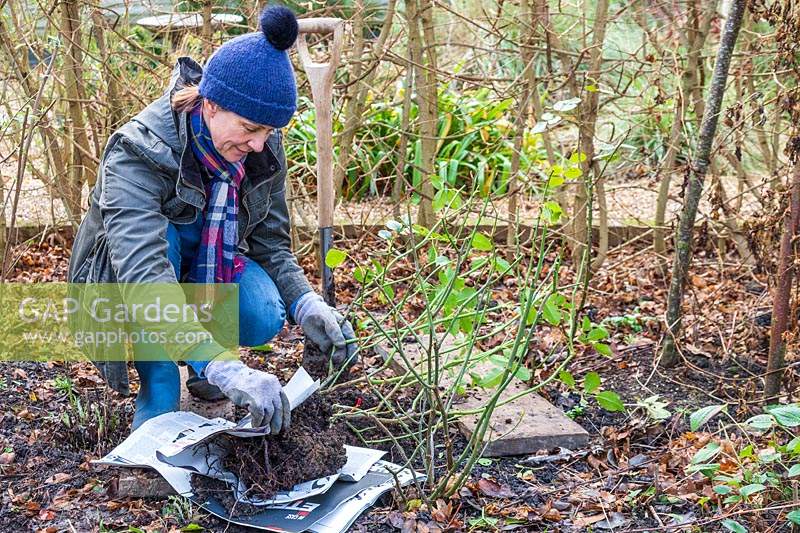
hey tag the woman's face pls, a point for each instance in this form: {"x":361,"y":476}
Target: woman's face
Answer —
{"x":234,"y":136}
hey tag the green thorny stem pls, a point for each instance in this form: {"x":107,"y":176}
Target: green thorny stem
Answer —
{"x":474,"y":450}
{"x":432,"y":407}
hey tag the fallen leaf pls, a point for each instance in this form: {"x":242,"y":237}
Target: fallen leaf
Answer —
{"x":7,"y":458}
{"x":32,"y":507}
{"x":698,"y":282}
{"x":87,"y":377}
{"x":413,"y":505}
{"x":43,"y":393}
{"x":552,"y":514}
{"x":430,"y":527}
{"x":395,"y":519}
{"x":65,"y":501}
{"x":613,"y":521}
{"x":442,"y":512}
{"x":60,"y":477}
{"x":113,"y":505}
{"x":46,"y":515}
{"x":596,"y":463}
{"x":493,"y":489}
{"x":409,"y":526}
{"x":584,"y":521}
{"x":19,"y":498}
{"x":526,"y":475}
{"x":34,"y":437}
{"x":518,"y":512}
{"x":562,"y":505}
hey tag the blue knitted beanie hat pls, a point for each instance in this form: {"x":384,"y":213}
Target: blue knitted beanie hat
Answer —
{"x":251,"y":75}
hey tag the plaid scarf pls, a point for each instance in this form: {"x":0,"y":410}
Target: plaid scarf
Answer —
{"x":216,"y":260}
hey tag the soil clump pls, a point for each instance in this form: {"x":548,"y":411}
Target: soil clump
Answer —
{"x":310,"y":449}
{"x":315,"y":362}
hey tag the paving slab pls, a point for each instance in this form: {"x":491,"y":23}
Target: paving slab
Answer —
{"x":522,"y":426}
{"x":140,"y":483}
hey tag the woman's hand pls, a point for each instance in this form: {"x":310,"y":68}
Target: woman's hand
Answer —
{"x":327,"y":328}
{"x":260,"y":392}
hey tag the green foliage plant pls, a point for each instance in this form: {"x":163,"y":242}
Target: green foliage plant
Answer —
{"x":430,"y":322}
{"x":755,"y":473}
{"x":474,"y":152}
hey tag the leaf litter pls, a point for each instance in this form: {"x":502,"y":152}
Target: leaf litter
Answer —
{"x":636,"y":475}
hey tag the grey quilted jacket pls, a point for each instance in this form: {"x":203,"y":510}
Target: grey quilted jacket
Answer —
{"x":149,"y":177}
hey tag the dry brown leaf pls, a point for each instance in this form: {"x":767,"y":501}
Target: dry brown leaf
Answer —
{"x":6,"y":458}
{"x":688,"y":487}
{"x":701,"y":440}
{"x":518,"y":512}
{"x":46,"y":515}
{"x":395,"y":519}
{"x":728,"y":448}
{"x":493,"y":489}
{"x":113,"y":505}
{"x":607,"y":496}
{"x":584,"y":521}
{"x":65,"y":501}
{"x":35,"y":436}
{"x":552,"y":514}
{"x":492,"y":509}
{"x":409,"y":526}
{"x":526,"y":475}
{"x":596,"y":463}
{"x":698,"y":282}
{"x":442,"y":512}
{"x":44,"y":393}
{"x":430,"y":527}
{"x":60,"y":477}
{"x":562,"y":505}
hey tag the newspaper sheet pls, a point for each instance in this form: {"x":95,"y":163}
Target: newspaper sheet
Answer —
{"x":331,"y":512}
{"x":343,"y":516}
{"x":141,"y":446}
{"x":175,"y":433}
{"x":180,"y":444}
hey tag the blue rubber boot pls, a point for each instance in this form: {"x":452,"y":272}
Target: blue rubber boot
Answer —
{"x":159,"y":390}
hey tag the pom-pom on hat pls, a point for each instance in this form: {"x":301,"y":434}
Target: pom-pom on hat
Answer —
{"x":252,"y":76}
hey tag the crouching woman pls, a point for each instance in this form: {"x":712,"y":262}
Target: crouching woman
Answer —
{"x":192,"y":189}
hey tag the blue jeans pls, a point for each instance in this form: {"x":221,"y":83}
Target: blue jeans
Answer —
{"x":261,"y":317}
{"x":261,"y":310}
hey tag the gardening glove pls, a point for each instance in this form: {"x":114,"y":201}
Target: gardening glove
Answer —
{"x":326,"y":327}
{"x":260,"y":392}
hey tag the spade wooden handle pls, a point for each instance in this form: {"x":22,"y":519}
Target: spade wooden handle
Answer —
{"x":320,"y":77}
